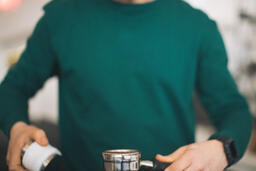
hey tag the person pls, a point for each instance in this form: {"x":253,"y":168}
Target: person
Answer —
{"x":127,"y":72}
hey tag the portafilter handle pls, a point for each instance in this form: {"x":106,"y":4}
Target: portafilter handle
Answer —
{"x":153,"y":165}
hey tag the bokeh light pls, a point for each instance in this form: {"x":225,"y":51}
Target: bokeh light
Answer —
{"x":9,"y":5}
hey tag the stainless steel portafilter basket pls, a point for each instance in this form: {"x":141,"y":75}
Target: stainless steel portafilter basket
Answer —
{"x":129,"y":160}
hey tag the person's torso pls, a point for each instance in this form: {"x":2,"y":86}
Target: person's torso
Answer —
{"x":127,"y":76}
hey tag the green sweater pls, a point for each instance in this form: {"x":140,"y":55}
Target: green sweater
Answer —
{"x":127,"y":74}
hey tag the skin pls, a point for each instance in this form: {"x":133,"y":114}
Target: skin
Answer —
{"x":202,"y":156}
{"x":20,"y":135}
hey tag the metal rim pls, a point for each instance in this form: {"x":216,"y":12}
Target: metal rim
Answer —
{"x":121,"y":155}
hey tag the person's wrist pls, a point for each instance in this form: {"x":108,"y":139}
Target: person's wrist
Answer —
{"x":230,"y":149}
{"x":220,"y":148}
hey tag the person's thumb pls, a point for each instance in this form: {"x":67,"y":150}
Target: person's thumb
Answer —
{"x":165,"y":159}
{"x":40,"y":137}
{"x":171,"y":157}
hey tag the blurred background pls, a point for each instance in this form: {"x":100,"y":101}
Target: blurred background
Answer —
{"x":236,"y":20}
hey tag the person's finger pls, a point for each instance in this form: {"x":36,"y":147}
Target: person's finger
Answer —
{"x":194,"y":167}
{"x":39,"y":136}
{"x":14,"y":157}
{"x":8,"y":155}
{"x":13,"y":135}
{"x":10,"y":144}
{"x":16,"y":168}
{"x":182,"y":163}
{"x":14,"y":162}
{"x":173,"y":156}
{"x":191,"y":168}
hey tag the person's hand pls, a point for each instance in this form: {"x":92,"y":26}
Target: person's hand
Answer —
{"x":20,"y":135}
{"x":202,"y":156}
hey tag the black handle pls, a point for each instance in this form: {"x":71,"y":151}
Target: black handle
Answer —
{"x":157,"y":166}
{"x":58,"y":163}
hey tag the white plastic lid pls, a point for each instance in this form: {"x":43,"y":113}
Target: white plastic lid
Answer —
{"x":36,"y":155}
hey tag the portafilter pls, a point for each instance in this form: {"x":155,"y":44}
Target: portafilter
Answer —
{"x":130,"y":160}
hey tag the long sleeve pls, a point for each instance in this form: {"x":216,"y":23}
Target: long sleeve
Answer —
{"x":35,"y":66}
{"x":227,"y":108}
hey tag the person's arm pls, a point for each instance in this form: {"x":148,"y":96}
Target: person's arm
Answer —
{"x":37,"y":63}
{"x":227,"y":108}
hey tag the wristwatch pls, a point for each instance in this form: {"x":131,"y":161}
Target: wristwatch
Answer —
{"x":229,"y":149}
